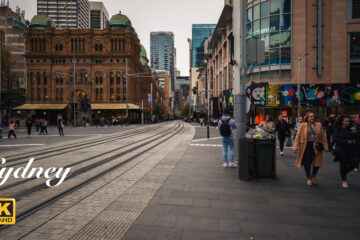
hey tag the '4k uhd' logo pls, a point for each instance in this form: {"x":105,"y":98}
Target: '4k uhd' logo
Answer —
{"x":7,"y":211}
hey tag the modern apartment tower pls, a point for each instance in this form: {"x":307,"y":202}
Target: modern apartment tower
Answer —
{"x":200,"y":32}
{"x":98,"y":15}
{"x":67,"y":14}
{"x":163,"y":53}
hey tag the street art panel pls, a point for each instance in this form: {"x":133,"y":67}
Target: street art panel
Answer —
{"x":258,"y":95}
{"x":273,"y":95}
{"x":313,"y":95}
{"x":288,"y":97}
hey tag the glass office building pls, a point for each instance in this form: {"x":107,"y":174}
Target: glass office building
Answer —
{"x":162,"y":53}
{"x":270,"y":21}
{"x":199,"y":33}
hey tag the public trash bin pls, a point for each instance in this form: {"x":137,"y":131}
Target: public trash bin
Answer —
{"x":265,"y":157}
{"x":257,"y":158}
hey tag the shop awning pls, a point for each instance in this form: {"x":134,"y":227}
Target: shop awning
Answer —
{"x":41,"y":107}
{"x":114,"y":106}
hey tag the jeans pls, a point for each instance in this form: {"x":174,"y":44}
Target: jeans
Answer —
{"x":228,"y":142}
{"x":345,"y":167}
{"x":282,"y":142}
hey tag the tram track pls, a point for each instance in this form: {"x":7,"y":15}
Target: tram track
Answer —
{"x":86,"y":160}
{"x":70,"y":148}
{"x":164,"y":137}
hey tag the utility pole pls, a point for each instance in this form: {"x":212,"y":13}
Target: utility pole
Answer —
{"x":142,"y":111}
{"x":0,"y":83}
{"x":127,"y":90}
{"x":151,"y":100}
{"x":74,"y":80}
{"x":299,"y":86}
{"x":239,"y":26}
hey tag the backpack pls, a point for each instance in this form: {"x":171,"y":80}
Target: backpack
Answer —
{"x":225,"y":129}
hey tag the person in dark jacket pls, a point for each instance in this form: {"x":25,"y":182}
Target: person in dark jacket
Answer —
{"x":344,"y":147}
{"x":329,"y":129}
{"x":283,"y":130}
{"x":356,"y":152}
{"x":29,"y":126}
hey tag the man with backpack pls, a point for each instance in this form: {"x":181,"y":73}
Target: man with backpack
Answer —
{"x":226,"y":127}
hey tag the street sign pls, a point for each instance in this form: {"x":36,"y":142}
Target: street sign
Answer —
{"x":256,"y":51}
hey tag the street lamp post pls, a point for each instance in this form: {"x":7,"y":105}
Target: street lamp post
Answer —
{"x":127,"y":90}
{"x":0,"y":84}
{"x":74,"y":80}
{"x":298,"y":84}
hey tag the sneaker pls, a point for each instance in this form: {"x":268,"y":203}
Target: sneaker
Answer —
{"x":281,"y":154}
{"x":225,"y":165}
{"x":345,"y":184}
{"x":233,"y":165}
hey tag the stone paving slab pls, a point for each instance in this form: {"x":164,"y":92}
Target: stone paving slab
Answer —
{"x":202,"y":200}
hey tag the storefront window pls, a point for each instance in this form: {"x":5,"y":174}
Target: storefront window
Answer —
{"x":274,"y":17}
{"x":285,"y":22}
{"x":257,"y":12}
{"x":264,"y":9}
{"x":274,"y":23}
{"x":256,"y":28}
{"x":264,"y":25}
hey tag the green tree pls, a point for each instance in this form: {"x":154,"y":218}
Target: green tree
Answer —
{"x":13,"y":98}
{"x":185,"y":111}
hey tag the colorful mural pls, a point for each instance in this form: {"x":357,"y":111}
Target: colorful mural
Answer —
{"x":273,"y":94}
{"x":262,"y":95}
{"x":258,"y":95}
{"x":288,"y":96}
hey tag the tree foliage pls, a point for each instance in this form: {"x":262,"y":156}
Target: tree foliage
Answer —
{"x":13,"y":98}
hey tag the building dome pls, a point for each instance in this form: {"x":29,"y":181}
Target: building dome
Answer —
{"x":143,"y":52}
{"x":119,"y":21}
{"x":42,"y":22}
{"x":144,"y":63}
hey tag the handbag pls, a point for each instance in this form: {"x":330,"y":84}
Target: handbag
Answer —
{"x":289,"y":142}
{"x":319,"y":146}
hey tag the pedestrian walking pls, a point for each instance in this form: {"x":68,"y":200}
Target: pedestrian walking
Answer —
{"x":29,"y":126}
{"x":310,"y":142}
{"x":87,"y":123}
{"x":345,"y":147}
{"x":268,"y":125}
{"x":283,"y":131}
{"x":300,"y":121}
{"x":329,"y":129}
{"x":60,"y":126}
{"x":356,"y":138}
{"x":11,"y":129}
{"x":37,"y":124}
{"x":43,"y":127}
{"x":1,"y":129}
{"x":226,"y":127}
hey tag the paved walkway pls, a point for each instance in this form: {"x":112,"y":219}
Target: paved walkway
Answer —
{"x":202,"y":200}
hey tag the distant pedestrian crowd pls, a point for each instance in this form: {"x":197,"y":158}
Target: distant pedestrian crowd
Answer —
{"x":340,"y":136}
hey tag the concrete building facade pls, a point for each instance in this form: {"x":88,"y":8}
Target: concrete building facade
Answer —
{"x":71,"y":14}
{"x":99,"y":16}
{"x":12,"y":24}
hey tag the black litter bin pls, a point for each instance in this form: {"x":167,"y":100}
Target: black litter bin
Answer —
{"x":257,"y":158}
{"x":265,"y":157}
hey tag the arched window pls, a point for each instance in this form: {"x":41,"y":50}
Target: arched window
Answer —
{"x":57,"y":81}
{"x":61,"y":47}
{"x":100,"y":47}
{"x":117,"y":78}
{"x":38,"y":78}
{"x":101,"y":80}
{"x":96,"y":47}
{"x":32,"y":82}
{"x":96,"y":80}
{"x":56,"y":47}
{"x":61,"y":80}
{"x":45,"y":78}
{"x":111,"y":78}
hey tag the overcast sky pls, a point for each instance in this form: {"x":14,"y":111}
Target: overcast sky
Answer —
{"x":156,"y":15}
